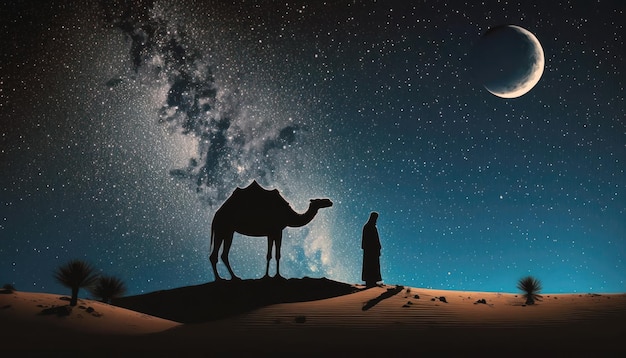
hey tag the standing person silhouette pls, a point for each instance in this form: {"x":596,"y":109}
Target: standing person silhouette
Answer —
{"x":371,"y":252}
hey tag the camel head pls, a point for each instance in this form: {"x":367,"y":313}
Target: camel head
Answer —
{"x":321,"y":203}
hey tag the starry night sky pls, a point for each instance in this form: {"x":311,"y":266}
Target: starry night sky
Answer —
{"x":124,"y":127}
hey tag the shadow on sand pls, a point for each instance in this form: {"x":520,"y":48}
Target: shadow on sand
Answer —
{"x":221,"y":299}
{"x":374,"y":301}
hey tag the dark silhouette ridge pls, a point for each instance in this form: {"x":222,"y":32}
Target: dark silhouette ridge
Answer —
{"x":221,"y":299}
{"x":389,"y":293}
{"x":370,"y":244}
{"x":255,"y":211}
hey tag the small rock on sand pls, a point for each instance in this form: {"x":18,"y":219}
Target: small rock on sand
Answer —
{"x":300,"y":319}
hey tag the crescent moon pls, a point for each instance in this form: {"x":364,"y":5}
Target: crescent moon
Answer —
{"x":534,"y":74}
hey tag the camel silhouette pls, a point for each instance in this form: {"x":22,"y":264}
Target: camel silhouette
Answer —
{"x":255,"y":211}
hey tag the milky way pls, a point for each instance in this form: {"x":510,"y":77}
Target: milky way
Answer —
{"x":126,"y":124}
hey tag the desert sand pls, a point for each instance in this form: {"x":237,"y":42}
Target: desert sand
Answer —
{"x":292,"y":317}
{"x":41,"y":321}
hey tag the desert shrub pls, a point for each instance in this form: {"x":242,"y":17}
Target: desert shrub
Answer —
{"x":108,"y":288}
{"x":76,"y":274}
{"x":531,"y":288}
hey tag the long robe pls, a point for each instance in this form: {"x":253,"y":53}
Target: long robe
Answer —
{"x":371,"y":254}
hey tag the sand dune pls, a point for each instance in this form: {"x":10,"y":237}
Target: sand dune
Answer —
{"x":45,"y":321}
{"x":378,"y":321}
{"x":400,"y":323}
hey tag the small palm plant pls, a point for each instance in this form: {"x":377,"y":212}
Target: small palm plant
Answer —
{"x":531,"y":288}
{"x":108,"y":288}
{"x":76,"y":274}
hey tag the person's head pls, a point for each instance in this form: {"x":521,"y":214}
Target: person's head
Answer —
{"x":373,"y":217}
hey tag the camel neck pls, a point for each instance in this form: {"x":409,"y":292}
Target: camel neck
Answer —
{"x":302,"y":219}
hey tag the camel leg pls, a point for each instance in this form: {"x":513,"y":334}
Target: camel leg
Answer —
{"x":269,"y":256}
{"x":213,"y":258}
{"x":228,"y":240}
{"x":277,"y":242}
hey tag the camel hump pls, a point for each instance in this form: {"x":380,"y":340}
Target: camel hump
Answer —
{"x":255,"y":188}
{"x":254,"y":185}
{"x":255,"y":196}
